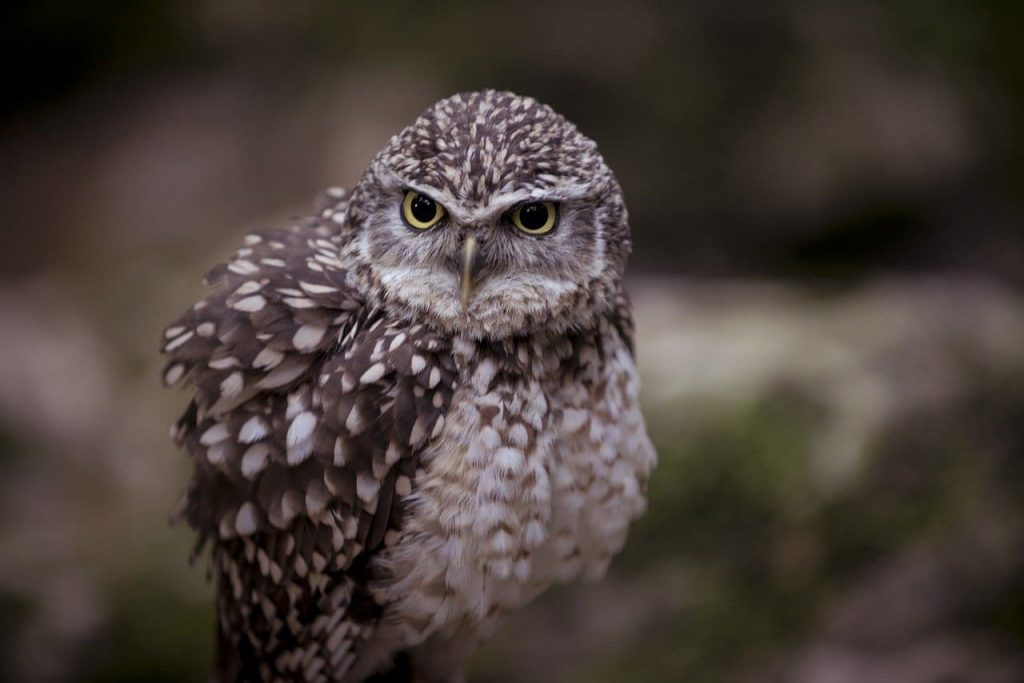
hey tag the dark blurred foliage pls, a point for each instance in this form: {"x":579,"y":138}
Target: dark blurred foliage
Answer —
{"x":826,"y":201}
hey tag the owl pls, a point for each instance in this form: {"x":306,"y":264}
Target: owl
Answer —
{"x":416,"y":409}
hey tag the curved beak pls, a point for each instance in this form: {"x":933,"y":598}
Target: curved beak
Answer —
{"x":470,"y":268}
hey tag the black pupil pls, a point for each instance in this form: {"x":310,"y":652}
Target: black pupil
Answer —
{"x":423,"y":209}
{"x":533,"y":216}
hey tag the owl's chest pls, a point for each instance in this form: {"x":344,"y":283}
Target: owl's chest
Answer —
{"x":522,"y":488}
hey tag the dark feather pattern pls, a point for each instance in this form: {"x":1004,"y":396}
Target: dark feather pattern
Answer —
{"x":308,"y":416}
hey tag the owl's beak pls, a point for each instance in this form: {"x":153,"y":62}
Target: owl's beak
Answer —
{"x":470,"y":267}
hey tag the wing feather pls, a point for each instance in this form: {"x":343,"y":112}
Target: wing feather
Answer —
{"x":307,"y":418}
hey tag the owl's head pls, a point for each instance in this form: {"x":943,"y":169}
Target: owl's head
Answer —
{"x":491,"y":215}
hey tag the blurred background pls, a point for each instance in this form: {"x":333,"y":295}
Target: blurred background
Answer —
{"x":827,"y":201}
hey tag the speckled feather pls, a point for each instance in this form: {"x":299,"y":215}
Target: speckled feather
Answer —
{"x":381,"y":471}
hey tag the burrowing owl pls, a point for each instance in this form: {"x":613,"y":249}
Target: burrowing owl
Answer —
{"x":416,"y":409}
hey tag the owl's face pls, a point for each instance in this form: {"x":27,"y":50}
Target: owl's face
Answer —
{"x":491,"y":215}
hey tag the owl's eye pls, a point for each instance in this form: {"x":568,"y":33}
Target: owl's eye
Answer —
{"x":535,"y":218}
{"x":420,"y":211}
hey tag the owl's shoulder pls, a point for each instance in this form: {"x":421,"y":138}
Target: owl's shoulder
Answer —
{"x":287,"y":364}
{"x":267,"y":313}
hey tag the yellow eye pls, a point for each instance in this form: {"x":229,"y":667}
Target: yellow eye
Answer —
{"x":535,"y":218}
{"x":420,"y":211}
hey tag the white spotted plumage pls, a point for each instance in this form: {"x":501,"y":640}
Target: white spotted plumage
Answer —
{"x":385,"y":469}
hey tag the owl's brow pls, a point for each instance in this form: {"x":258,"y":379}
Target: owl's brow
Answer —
{"x":500,"y":204}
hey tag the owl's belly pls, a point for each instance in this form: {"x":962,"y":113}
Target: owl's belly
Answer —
{"x":530,"y":483}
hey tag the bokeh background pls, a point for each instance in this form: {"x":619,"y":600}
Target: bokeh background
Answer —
{"x":827,"y":200}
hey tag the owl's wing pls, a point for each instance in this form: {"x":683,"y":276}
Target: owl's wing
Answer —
{"x":308,"y":417}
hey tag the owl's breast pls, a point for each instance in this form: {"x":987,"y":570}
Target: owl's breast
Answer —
{"x":540,"y":467}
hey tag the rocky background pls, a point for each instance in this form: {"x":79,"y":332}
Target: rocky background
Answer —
{"x":826,"y":200}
